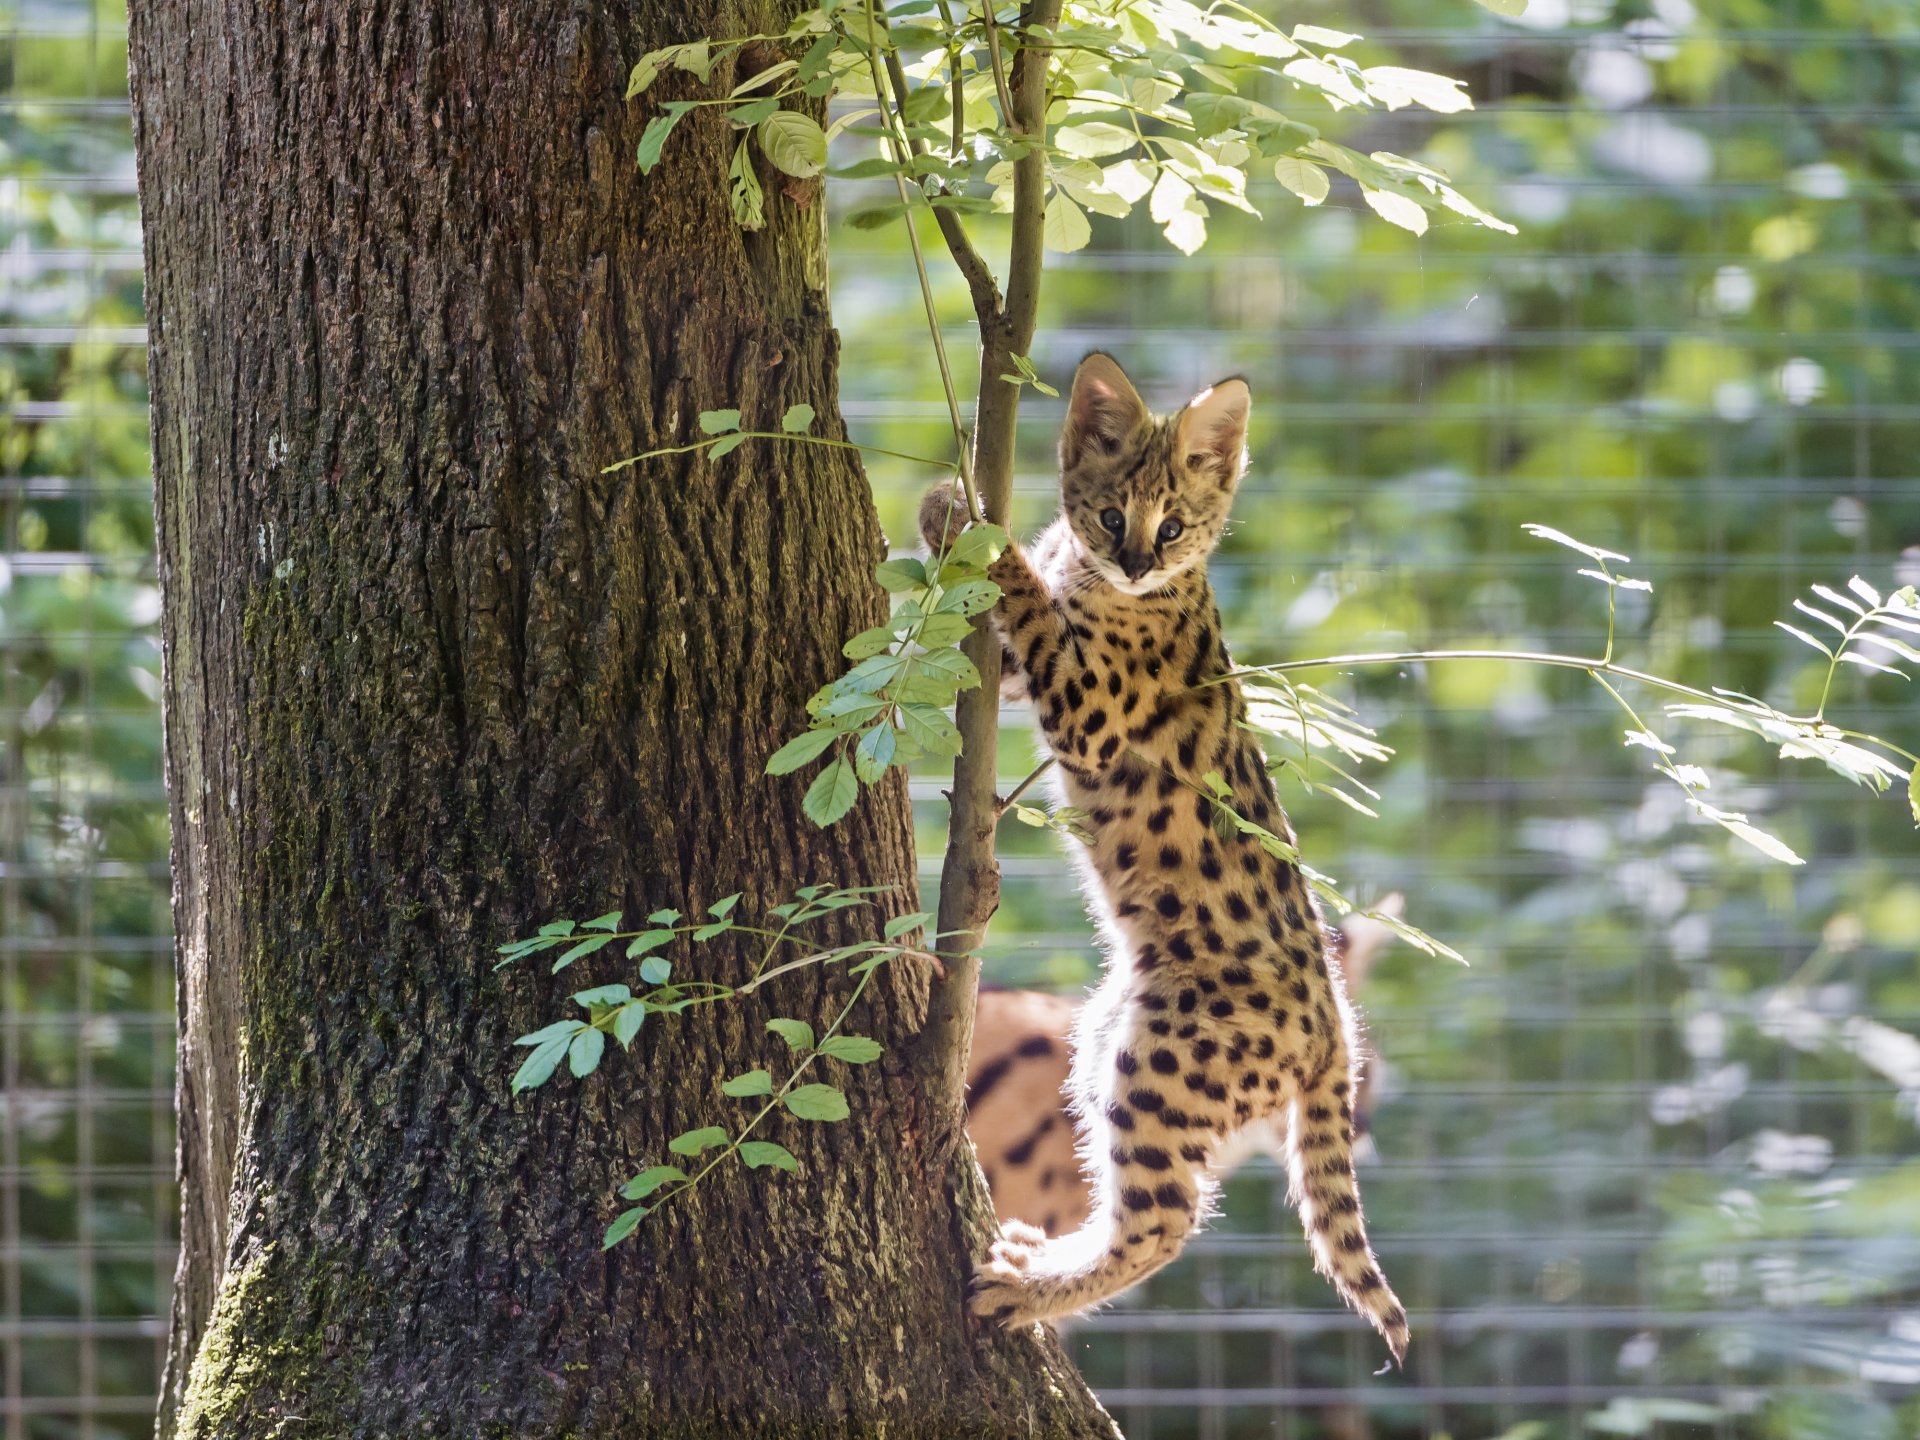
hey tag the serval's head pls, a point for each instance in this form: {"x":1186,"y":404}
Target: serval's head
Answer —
{"x":1148,"y":495}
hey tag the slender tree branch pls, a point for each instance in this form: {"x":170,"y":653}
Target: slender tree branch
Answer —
{"x":999,"y":66}
{"x":1024,"y":256}
{"x":970,"y":875}
{"x":1034,"y":774}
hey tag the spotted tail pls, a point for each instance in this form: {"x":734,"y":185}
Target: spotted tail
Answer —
{"x":1323,"y":1186}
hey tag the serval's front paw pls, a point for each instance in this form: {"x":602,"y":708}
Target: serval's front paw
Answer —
{"x":943,"y":515}
{"x":1001,"y":1289}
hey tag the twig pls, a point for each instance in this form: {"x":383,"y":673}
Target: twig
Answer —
{"x":1014,"y":794}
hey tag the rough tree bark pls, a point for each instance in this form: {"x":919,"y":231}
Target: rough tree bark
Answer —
{"x":432,"y":678}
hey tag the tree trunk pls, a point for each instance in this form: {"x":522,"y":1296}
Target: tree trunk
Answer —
{"x":433,"y":678}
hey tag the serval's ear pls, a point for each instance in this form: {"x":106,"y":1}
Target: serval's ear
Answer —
{"x":1104,"y":412}
{"x":1211,"y":433}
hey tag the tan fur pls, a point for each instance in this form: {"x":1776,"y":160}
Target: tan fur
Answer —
{"x":1220,"y":1005}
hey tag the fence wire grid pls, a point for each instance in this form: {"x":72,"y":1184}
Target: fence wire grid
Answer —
{"x":1648,"y":1167}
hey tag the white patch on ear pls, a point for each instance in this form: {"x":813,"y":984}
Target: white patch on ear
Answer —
{"x":1104,"y":409}
{"x":1212,"y":431}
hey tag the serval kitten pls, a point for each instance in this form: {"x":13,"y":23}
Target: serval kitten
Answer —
{"x":1220,"y":1006}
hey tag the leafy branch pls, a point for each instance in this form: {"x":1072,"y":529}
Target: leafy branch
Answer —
{"x":1868,"y":760}
{"x":617,"y":1010}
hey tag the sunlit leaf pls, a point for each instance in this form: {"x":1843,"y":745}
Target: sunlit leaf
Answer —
{"x":1560,"y":537}
{"x":1396,"y":209}
{"x":1066,"y":226}
{"x":794,"y":143}
{"x":1302,"y":177}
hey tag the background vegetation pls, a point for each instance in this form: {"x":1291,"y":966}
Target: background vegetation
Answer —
{"x":1649,"y":1166}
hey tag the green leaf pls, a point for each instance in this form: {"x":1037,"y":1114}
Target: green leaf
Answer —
{"x":832,"y":793}
{"x":663,"y":917}
{"x":692,"y":1142}
{"x":1512,"y":9}
{"x":725,"y":446}
{"x":624,"y":1225}
{"x":608,"y":921}
{"x":797,"y":420}
{"x":969,"y":597}
{"x":808,"y":745}
{"x":868,"y":642}
{"x":979,"y":544}
{"x":900,"y":574}
{"x":708,"y":932}
{"x":723,"y":907}
{"x":797,"y":1033}
{"x":853,"y":1049}
{"x":746,"y":198}
{"x":584,"y":948}
{"x":1302,"y":177}
{"x":654,"y":139}
{"x":655,"y":969}
{"x":817,"y":1102}
{"x":952,"y":667}
{"x":541,"y":1064}
{"x":794,"y":144}
{"x":758,"y":1154}
{"x":718,"y":422}
{"x":583,"y":1056}
{"x":901,"y":924}
{"x":931,"y":729}
{"x":627,"y":1023}
{"x":603,"y":996}
{"x":937,"y":631}
{"x":1913,"y":794}
{"x":874,"y":753}
{"x":751,"y":114}
{"x":650,"y":1180}
{"x":562,"y":1029}
{"x":754,"y":1082}
{"x":648,"y":940}
{"x":557,"y":927}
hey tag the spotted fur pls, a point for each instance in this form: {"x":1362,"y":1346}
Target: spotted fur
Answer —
{"x":1220,"y":1005}
{"x":1017,"y":1110}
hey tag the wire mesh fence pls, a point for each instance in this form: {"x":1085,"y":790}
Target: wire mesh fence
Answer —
{"x":1649,"y":1166}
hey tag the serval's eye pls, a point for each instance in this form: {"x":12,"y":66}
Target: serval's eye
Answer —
{"x":1171,"y":529}
{"x":1114,"y":522}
